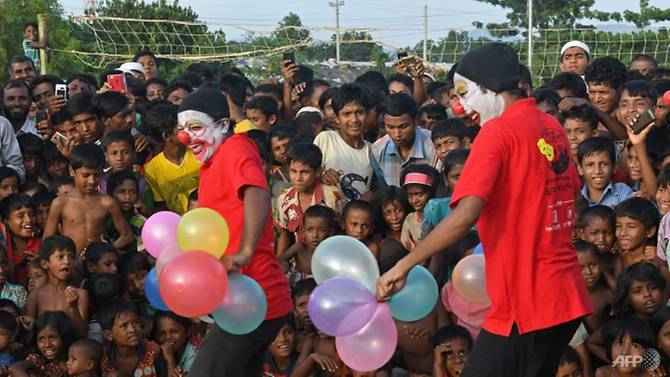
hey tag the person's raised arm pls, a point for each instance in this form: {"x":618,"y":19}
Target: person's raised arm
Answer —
{"x":288,"y":70}
{"x":256,"y":212}
{"x":638,"y":141}
{"x":120,"y":224}
{"x":613,"y":126}
{"x":445,"y":234}
{"x":55,"y":213}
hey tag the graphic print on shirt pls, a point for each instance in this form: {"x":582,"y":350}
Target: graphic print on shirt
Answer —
{"x":554,"y":147}
{"x":556,"y":154}
{"x":347,"y":185}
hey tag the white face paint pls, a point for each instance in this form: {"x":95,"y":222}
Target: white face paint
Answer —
{"x":205,"y":134}
{"x":476,"y":98}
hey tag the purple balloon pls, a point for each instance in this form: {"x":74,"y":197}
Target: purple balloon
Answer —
{"x":341,"y":306}
{"x":372,"y":346}
{"x":160,"y":231}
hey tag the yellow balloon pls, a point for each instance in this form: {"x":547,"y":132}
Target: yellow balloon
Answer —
{"x":203,"y":229}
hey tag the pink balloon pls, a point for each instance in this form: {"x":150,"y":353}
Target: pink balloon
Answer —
{"x":165,"y":256}
{"x":193,"y":284}
{"x":160,"y":231}
{"x":469,"y":279}
{"x":372,"y":346}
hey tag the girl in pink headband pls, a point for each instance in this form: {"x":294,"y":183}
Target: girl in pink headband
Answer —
{"x":419,"y":182}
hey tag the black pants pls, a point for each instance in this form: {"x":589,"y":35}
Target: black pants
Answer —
{"x":227,"y":355}
{"x":534,"y":354}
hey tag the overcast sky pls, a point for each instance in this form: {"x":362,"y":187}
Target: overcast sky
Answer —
{"x":398,"y":22}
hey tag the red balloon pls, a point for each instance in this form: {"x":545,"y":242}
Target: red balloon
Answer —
{"x":458,"y":109}
{"x":183,"y":137}
{"x":666,"y":98}
{"x":193,"y":284}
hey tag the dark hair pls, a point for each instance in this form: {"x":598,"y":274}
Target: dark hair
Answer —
{"x":260,"y":138}
{"x":61,"y":117}
{"x":43,"y":197}
{"x":64,"y":180}
{"x":325,"y":96}
{"x":33,"y":24}
{"x":106,"y":105}
{"x":303,"y":287}
{"x":50,"y":79}
{"x":640,"y":88}
{"x":58,"y":321}
{"x":156,"y":80}
{"x":398,"y":104}
{"x":273,"y":90}
{"x":661,"y":73}
{"x":201,"y":70}
{"x":30,"y":144}
{"x":455,"y":157}
{"x":7,"y":321}
{"x":88,"y":156}
{"x":117,"y":178}
{"x":160,"y":117}
{"x":585,"y":113}
{"x":606,"y":70}
{"x":193,"y":196}
{"x":13,"y":202}
{"x":17,"y":83}
{"x":664,"y":177}
{"x":109,"y":313}
{"x":583,"y":246}
{"x":310,"y":87}
{"x":95,"y":251}
{"x":16,"y":59}
{"x":92,"y":349}
{"x":448,"y":127}
{"x":85,"y":77}
{"x":118,"y":137}
{"x":303,"y":74}
{"x":7,"y":172}
{"x":348,"y":93}
{"x":7,"y":303}
{"x":375,"y":82}
{"x":56,"y":243}
{"x":384,"y":196}
{"x":594,"y":145}
{"x":134,"y":262}
{"x":305,"y":122}
{"x":570,"y":356}
{"x":80,"y":103}
{"x":659,"y":319}
{"x":450,"y":332}
{"x":51,"y":154}
{"x":235,"y":88}
{"x":434,"y":111}
{"x":569,"y":81}
{"x":638,"y":209}
{"x":525,"y":76}
{"x":177,"y":84}
{"x":142,"y":53}
{"x":323,"y":212}
{"x":105,"y":288}
{"x":137,"y":88}
{"x":403,"y":79}
{"x":359,"y":205}
{"x":640,"y":272}
{"x":193,"y":79}
{"x":266,"y":104}
{"x":390,"y":252}
{"x":638,"y":329}
{"x":184,"y":322}
{"x":422,"y":169}
{"x":645,"y":57}
{"x":546,"y":94}
{"x":305,"y":153}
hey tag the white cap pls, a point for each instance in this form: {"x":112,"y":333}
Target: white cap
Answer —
{"x":579,"y":44}
{"x":309,"y":109}
{"x":130,"y":67}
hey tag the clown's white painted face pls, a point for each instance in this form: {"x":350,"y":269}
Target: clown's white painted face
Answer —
{"x":477,"y":99}
{"x":204,"y":134}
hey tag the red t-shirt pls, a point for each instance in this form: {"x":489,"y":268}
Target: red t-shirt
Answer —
{"x":520,"y":165}
{"x":234,"y":166}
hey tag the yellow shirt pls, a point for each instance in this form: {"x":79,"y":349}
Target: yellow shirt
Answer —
{"x":171,"y":183}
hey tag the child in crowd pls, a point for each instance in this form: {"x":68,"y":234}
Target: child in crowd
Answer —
{"x":20,"y":231}
{"x":596,"y":157}
{"x":124,"y":187}
{"x":300,"y":293}
{"x":640,"y":166}
{"x":134,"y":269}
{"x":101,"y":258}
{"x":125,"y":352}
{"x":392,"y":208}
{"x":57,"y":255}
{"x":42,"y":200}
{"x":63,"y":186}
{"x":173,"y":173}
{"x":8,"y":328}
{"x":448,"y":135}
{"x":429,"y":115}
{"x":596,"y":225}
{"x":660,"y":324}
{"x":9,"y":182}
{"x":601,"y":295}
{"x":452,"y":166}
{"x":306,"y":190}
{"x":452,"y":345}
{"x":31,"y":152}
{"x":53,"y":336}
{"x":663,"y":205}
{"x":419,"y":183}
{"x":8,"y":290}
{"x":570,"y":365}
{"x":636,"y":224}
{"x":639,"y":292}
{"x":175,"y":336}
{"x":627,"y":337}
{"x":83,"y":358}
{"x":83,"y":214}
{"x":37,"y":277}
{"x":580,"y":123}
{"x":358,"y":221}
{"x":280,"y":137}
{"x":54,"y":163}
{"x":262,"y":112}
{"x":282,"y":356}
{"x":319,"y":223}
{"x":119,"y":153}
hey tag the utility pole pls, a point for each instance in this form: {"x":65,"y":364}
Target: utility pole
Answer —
{"x":337,"y":4}
{"x":425,"y":32}
{"x":530,"y":34}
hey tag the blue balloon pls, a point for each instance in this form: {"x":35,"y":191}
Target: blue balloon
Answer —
{"x":244,"y":306}
{"x":417,"y":298}
{"x":152,"y":292}
{"x":479,"y":249}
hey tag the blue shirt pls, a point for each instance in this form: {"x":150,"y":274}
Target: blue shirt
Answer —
{"x":614,"y":194}
{"x":32,"y":53}
{"x":387,"y":155}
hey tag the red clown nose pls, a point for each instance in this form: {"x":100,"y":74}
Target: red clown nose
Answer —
{"x":183,"y":137}
{"x":458,"y":109}
{"x":666,"y":98}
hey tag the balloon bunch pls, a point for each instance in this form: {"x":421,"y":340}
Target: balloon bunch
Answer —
{"x":344,"y":305}
{"x":469,"y":277}
{"x":189,"y":279}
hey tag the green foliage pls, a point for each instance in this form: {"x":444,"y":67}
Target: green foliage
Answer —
{"x":546,"y":13}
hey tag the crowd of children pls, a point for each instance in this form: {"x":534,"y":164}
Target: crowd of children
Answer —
{"x":376,"y":160}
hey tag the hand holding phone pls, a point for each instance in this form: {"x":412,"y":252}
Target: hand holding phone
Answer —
{"x":290,"y":56}
{"x":61,"y":90}
{"x":117,"y":82}
{"x":644,"y":121}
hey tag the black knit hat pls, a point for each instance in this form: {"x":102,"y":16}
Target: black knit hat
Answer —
{"x":494,"y":66}
{"x":209,"y":101}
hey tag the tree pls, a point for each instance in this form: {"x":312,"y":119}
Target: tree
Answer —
{"x":290,"y":29}
{"x":644,"y":18}
{"x":546,"y":13}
